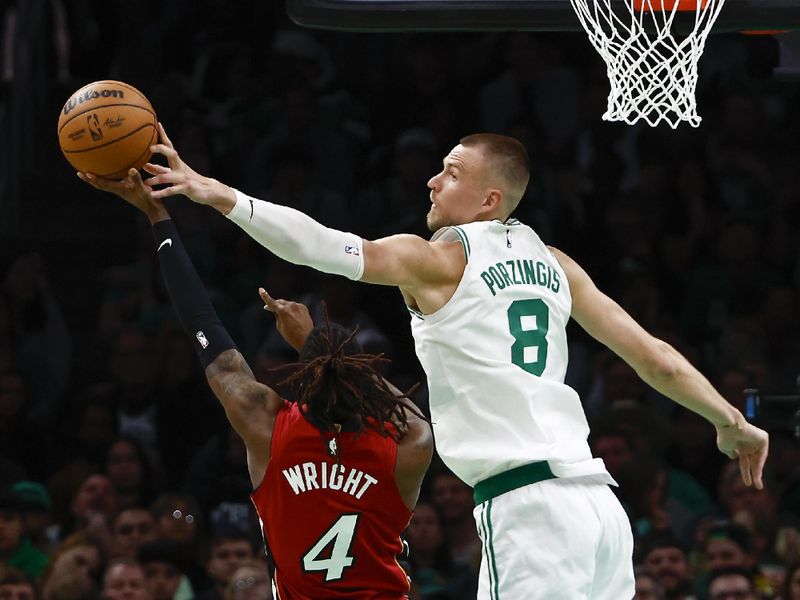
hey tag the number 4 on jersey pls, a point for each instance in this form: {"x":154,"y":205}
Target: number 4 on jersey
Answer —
{"x":341,"y":536}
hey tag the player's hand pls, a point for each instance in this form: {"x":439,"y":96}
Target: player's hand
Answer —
{"x":291,"y":318}
{"x":750,"y":445}
{"x":182,"y":179}
{"x":131,"y":189}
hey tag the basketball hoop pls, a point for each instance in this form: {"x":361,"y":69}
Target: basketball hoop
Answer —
{"x":651,"y":50}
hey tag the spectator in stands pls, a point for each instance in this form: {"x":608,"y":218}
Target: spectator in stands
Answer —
{"x":732,"y":583}
{"x":434,"y":571}
{"x":16,"y":585}
{"x":165,"y":571}
{"x":250,"y":582}
{"x":454,"y":503}
{"x":75,"y":570}
{"x":229,"y":550}
{"x":647,"y":586}
{"x":791,"y":584}
{"x":667,"y":560}
{"x":132,"y":528}
{"x":16,"y":550}
{"x":124,"y":580}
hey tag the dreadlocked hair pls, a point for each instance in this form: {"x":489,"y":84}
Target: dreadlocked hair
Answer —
{"x":337,"y":383}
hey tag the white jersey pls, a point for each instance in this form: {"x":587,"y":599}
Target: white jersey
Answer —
{"x":495,"y":356}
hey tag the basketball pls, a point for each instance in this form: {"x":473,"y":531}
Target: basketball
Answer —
{"x":107,"y":127}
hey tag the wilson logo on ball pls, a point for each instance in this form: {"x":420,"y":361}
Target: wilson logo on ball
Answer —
{"x":91,"y":95}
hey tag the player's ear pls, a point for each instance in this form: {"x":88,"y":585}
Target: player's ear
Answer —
{"x":493,"y":199}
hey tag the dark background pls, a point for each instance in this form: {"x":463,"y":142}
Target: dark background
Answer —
{"x":693,"y":231}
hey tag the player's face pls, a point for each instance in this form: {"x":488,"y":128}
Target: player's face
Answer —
{"x":457,"y":191}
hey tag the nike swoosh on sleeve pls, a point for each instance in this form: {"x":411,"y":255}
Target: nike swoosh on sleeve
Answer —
{"x":166,"y":242}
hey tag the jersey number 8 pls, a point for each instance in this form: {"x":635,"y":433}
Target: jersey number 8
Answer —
{"x":534,"y":338}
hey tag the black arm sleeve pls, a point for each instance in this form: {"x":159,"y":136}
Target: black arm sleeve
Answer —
{"x":189,"y":296}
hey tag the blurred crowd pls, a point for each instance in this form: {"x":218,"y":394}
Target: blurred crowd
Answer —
{"x":120,"y":476}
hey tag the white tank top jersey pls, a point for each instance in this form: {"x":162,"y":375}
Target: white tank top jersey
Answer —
{"x":495,"y":357}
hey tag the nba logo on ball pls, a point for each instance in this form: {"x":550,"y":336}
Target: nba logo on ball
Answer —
{"x":201,"y":337}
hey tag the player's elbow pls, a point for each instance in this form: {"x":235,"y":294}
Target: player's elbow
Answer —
{"x":663,"y":362}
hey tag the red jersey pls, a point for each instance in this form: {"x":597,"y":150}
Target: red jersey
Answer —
{"x":333,"y":529}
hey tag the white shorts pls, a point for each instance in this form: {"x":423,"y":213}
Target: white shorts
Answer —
{"x":559,"y":539}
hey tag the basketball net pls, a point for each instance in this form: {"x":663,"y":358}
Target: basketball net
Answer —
{"x":651,"y":68}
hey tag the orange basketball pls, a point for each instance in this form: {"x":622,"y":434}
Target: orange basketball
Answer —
{"x":107,"y":127}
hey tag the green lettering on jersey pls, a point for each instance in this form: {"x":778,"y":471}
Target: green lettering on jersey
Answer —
{"x":530,"y":278}
{"x":501,"y":267}
{"x":497,"y":279}
{"x":513,"y":266}
{"x":541,"y":273}
{"x":487,"y":279}
{"x":556,"y":283}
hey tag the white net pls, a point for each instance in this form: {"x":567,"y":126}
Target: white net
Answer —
{"x":651,"y":50}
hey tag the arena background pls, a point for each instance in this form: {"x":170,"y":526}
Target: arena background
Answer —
{"x":693,"y":231}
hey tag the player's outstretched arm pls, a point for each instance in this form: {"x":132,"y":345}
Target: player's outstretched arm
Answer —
{"x":250,"y":406}
{"x":665,"y":369}
{"x":406,"y":261}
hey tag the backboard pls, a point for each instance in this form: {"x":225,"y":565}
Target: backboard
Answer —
{"x":505,"y":15}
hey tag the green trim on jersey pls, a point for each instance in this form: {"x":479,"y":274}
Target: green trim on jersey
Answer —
{"x":464,"y":240}
{"x":416,"y":313}
{"x":499,"y":484}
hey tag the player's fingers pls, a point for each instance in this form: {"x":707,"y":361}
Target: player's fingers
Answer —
{"x":155,"y":169}
{"x":757,"y":467}
{"x":134,"y":176}
{"x":744,"y":469}
{"x":165,"y":150}
{"x":85,"y":177}
{"x":173,"y":190}
{"x":98,"y":182}
{"x":162,"y":134}
{"x":167,"y":177}
{"x":269,"y":302}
